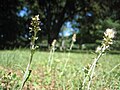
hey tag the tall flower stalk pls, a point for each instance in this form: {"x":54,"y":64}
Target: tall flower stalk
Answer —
{"x":34,"y":29}
{"x":50,"y":58}
{"x":109,"y":34}
{"x":71,"y":46}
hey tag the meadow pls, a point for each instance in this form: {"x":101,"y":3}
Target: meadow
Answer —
{"x":66,"y":71}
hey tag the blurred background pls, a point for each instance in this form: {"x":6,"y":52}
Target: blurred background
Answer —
{"x":60,"y":19}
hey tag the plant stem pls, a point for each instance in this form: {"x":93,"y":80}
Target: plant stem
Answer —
{"x":34,"y":28}
{"x":93,"y":68}
{"x":114,"y":68}
{"x":50,"y":59}
{"x":67,"y":58}
{"x":27,"y":72}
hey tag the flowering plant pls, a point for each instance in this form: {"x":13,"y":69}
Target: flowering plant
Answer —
{"x":34,"y":28}
{"x":109,"y":34}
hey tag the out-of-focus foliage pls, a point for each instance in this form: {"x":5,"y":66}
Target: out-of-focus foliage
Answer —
{"x":99,"y":16}
{"x":8,"y":22}
{"x":93,"y":17}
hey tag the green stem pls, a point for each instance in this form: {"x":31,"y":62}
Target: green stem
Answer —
{"x":67,"y":58}
{"x":93,"y":69}
{"x":27,"y":72}
{"x":50,"y":59}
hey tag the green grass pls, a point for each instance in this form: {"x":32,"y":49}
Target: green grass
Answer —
{"x":73,"y":74}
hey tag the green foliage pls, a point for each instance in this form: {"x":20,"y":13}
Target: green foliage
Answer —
{"x":9,"y":23}
{"x":92,"y":16}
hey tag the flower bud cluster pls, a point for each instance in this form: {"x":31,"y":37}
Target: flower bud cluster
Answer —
{"x":35,"y":24}
{"x":109,"y":34}
{"x":34,"y":28}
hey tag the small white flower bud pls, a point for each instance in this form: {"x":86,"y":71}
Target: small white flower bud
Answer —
{"x":53,"y":43}
{"x":74,"y":38}
{"x":98,"y":49}
{"x":37,"y":17}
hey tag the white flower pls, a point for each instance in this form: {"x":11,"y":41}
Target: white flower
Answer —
{"x":54,"y":42}
{"x":74,"y":38}
{"x":110,"y":33}
{"x":104,"y":47}
{"x":98,"y":49}
{"x":33,"y":18}
{"x":37,"y":17}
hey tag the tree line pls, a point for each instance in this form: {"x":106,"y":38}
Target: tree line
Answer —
{"x":93,"y":16}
